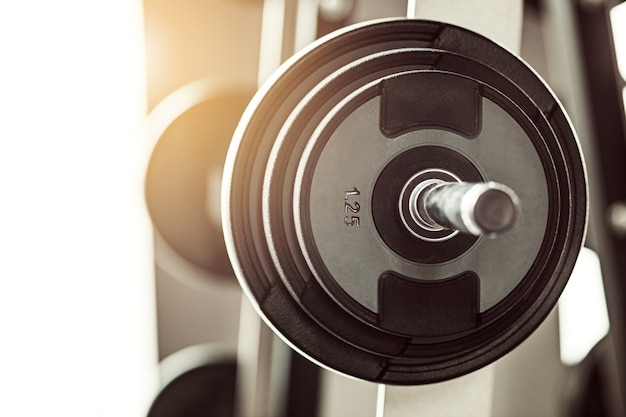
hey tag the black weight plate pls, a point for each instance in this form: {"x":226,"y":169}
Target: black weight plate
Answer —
{"x":275,"y":204}
{"x":519,"y":166}
{"x":197,"y":381}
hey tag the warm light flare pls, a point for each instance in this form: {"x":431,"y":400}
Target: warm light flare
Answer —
{"x":76,"y":281}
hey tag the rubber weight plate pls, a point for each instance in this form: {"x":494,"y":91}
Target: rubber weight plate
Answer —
{"x":315,"y":195}
{"x":199,"y":380}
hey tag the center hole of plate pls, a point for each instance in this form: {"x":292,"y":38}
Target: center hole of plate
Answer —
{"x":412,"y":209}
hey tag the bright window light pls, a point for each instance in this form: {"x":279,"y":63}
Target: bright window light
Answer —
{"x":583,"y":316}
{"x":77,"y":317}
{"x":618,"y":23}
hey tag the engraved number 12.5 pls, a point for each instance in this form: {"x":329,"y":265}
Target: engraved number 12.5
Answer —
{"x":352,"y":207}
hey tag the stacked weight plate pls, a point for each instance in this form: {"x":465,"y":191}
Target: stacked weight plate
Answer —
{"x":315,"y":208}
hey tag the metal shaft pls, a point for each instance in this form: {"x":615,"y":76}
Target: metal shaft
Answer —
{"x":475,"y":208}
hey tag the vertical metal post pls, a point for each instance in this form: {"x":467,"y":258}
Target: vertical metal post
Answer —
{"x":498,"y":20}
{"x":469,"y":395}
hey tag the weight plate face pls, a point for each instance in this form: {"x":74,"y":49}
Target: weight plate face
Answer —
{"x":336,"y":172}
{"x":315,"y":201}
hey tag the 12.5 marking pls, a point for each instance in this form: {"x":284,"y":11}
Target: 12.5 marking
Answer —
{"x":352,"y":207}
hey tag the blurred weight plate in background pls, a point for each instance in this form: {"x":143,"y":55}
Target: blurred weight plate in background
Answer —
{"x":191,"y":130}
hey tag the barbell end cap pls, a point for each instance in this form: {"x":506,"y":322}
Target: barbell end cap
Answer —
{"x":495,"y":209}
{"x":480,"y":209}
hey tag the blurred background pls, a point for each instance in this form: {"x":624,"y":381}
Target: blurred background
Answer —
{"x":115,"y":117}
